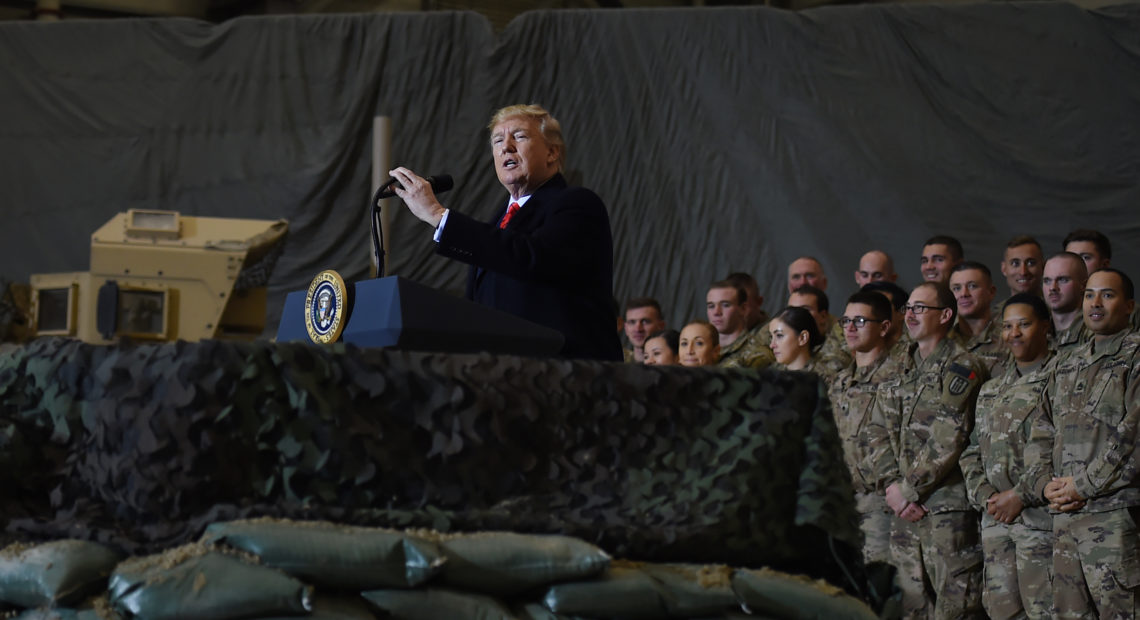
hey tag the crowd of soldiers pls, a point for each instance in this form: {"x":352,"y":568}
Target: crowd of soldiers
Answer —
{"x":991,"y":444}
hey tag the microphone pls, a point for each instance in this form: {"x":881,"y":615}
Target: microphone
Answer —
{"x":440,"y":183}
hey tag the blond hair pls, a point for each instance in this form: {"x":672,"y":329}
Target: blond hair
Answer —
{"x":549,"y":126}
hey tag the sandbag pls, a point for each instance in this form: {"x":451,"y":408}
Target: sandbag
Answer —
{"x":695,"y":590}
{"x":65,"y":614}
{"x":335,"y":556}
{"x":536,"y":611}
{"x":196,"y":581}
{"x":771,"y":593}
{"x":621,"y":592}
{"x":54,"y":574}
{"x":505,"y":563}
{"x":334,"y":608}
{"x":437,"y":603}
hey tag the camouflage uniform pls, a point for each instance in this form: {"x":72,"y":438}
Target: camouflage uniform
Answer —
{"x":920,"y":423}
{"x":832,"y":354}
{"x":852,"y":394}
{"x":1073,"y":335}
{"x":1096,"y":408}
{"x":986,"y":345}
{"x":813,"y":365}
{"x":1011,"y":447}
{"x":747,"y":351}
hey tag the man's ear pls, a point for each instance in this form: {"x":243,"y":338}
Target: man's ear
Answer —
{"x":947,"y":316}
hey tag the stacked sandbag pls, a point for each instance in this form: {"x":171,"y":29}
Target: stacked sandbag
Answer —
{"x":54,"y":574}
{"x":199,"y":581}
{"x":274,"y":569}
{"x":334,"y":556}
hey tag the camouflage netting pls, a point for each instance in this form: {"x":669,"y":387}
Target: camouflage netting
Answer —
{"x":142,"y":446}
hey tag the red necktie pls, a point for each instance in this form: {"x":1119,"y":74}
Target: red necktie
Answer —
{"x":511,"y":211}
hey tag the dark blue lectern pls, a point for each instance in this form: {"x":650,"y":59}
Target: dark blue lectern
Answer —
{"x":399,"y":313}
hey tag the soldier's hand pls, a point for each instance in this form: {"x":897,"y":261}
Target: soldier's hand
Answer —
{"x":1062,"y":494}
{"x":913,"y":512}
{"x":895,"y":500}
{"x":1004,"y":506}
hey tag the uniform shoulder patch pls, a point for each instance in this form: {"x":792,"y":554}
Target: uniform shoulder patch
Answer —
{"x":961,"y":378}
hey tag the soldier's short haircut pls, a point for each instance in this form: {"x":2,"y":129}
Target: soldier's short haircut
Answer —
{"x":741,"y":279}
{"x":951,"y":244}
{"x":800,"y":320}
{"x":643,"y":302}
{"x":1076,"y":260}
{"x":741,"y":294}
{"x":1125,"y":281}
{"x":880,"y":305}
{"x":946,"y":298}
{"x":1021,"y":240}
{"x":1097,"y":238}
{"x":898,"y":294}
{"x":672,"y":338}
{"x":820,"y":297}
{"x":973,"y":264}
{"x":1040,"y":310}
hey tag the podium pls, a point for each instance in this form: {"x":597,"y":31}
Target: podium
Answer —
{"x":399,"y":313}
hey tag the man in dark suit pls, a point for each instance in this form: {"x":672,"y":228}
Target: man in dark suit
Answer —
{"x":548,"y":255}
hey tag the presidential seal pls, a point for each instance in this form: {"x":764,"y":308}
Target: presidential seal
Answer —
{"x":326,"y":307}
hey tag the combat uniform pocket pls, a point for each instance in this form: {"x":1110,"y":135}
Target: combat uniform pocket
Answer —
{"x":1105,"y":400}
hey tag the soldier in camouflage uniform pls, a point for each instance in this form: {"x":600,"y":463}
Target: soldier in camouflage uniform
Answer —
{"x":920,"y":423}
{"x":1064,"y":286}
{"x":1022,"y":264}
{"x":1007,"y":464}
{"x":1096,"y":251}
{"x":898,"y":338}
{"x":832,"y":354}
{"x":747,"y":351}
{"x":642,"y":317}
{"x":977,"y":329}
{"x":727,"y":312}
{"x":1096,"y":492}
{"x":754,"y":311}
{"x":866,"y":322}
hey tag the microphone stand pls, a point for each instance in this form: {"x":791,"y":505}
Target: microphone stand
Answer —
{"x":378,"y":231}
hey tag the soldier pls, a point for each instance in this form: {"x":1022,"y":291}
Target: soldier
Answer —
{"x":832,"y":354}
{"x":940,"y":254}
{"x":874,"y":266}
{"x":976,"y":328}
{"x":727,"y":313}
{"x":806,"y":270}
{"x":920,"y":423}
{"x":1091,"y":245}
{"x":897,"y":338}
{"x":866,"y":323}
{"x":1095,"y":398}
{"x":795,"y":335}
{"x":642,"y":317}
{"x":1095,"y":249}
{"x":698,"y":344}
{"x":1007,"y":464}
{"x":756,"y":315}
{"x":1064,"y":288}
{"x":1022,"y":264}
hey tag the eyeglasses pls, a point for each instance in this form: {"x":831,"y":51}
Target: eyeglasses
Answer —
{"x":920,"y":308}
{"x":858,"y":321}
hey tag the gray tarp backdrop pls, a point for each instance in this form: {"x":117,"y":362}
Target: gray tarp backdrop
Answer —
{"x":720,"y":139}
